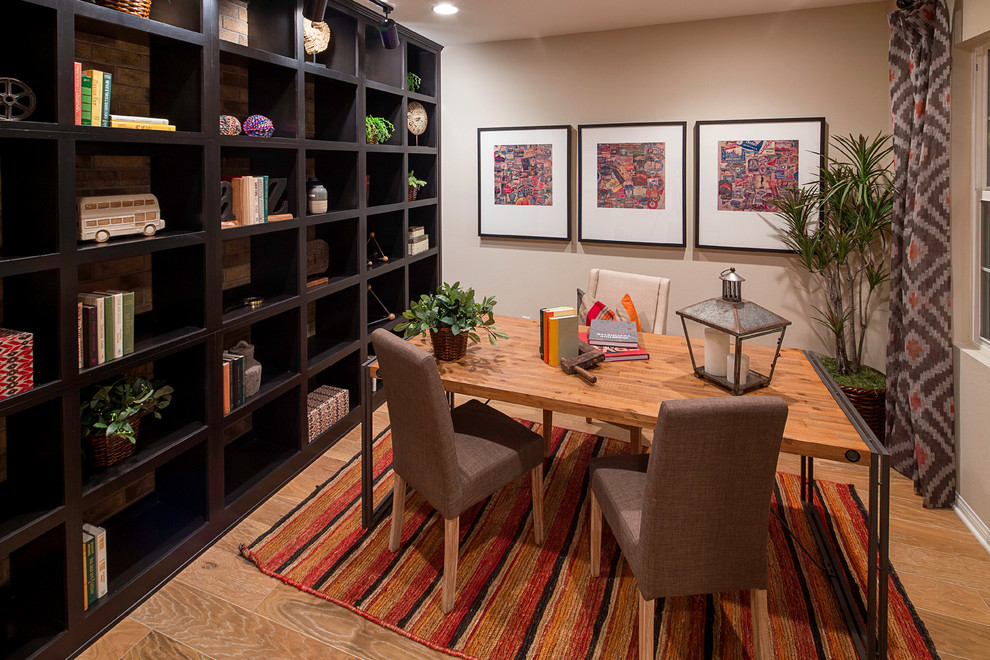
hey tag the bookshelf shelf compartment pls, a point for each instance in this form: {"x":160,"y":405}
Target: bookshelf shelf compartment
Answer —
{"x":342,"y":373}
{"x":425,"y":166}
{"x":259,"y":266}
{"x":31,"y":304}
{"x":33,"y":601}
{"x":276,"y":347}
{"x":253,"y":87}
{"x":341,"y":55}
{"x":428,"y":140}
{"x":381,"y":64}
{"x":423,"y":276}
{"x":333,"y":324}
{"x":423,"y":63}
{"x":387,"y":183}
{"x":390,"y":289}
{"x":29,"y":216}
{"x":341,"y":237}
{"x":259,"y":160}
{"x":152,"y":75}
{"x":31,"y":478}
{"x":181,"y":20}
{"x":260,"y":444}
{"x":28,"y":56}
{"x":391,"y":237}
{"x":164,"y":508}
{"x":337,"y":171}
{"x":336,"y":119}
{"x":389,"y":106}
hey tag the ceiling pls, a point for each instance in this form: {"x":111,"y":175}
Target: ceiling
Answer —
{"x":498,"y":20}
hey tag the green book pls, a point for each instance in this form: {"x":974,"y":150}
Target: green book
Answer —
{"x":128,"y":321}
{"x":105,"y":119}
{"x":264,"y":195}
{"x":87,"y":100}
{"x":89,"y":543}
{"x":108,"y":326}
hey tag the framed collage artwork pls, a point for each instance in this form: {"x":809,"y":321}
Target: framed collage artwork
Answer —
{"x":740,"y":166}
{"x":632,"y":183}
{"x":524,"y":178}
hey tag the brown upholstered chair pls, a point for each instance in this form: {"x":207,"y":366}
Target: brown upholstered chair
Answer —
{"x":692,"y":517}
{"x":454,"y":458}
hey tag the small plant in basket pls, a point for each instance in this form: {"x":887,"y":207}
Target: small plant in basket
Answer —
{"x":413,"y":82}
{"x":112,"y":408}
{"x":377,"y":129}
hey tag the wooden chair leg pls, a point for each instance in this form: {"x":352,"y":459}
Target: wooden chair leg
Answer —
{"x":595,"y":513}
{"x":762,"y":649}
{"x":636,"y":439}
{"x":398,"y":511}
{"x":451,"y":538}
{"x":547,"y":432}
{"x":536,"y":476}
{"x":645,"y":627}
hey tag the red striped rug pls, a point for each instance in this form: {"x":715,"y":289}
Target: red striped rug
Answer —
{"x":518,"y":600}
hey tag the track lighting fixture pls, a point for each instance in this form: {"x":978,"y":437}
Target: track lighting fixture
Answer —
{"x":387,"y":28}
{"x":314,"y":10}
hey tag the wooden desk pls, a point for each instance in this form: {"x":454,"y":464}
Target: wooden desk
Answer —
{"x":820,"y":424}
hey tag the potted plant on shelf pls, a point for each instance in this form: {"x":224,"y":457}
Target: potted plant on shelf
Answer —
{"x":377,"y":130}
{"x":413,"y":82}
{"x":451,"y":316}
{"x":111,"y":418}
{"x":414,"y":185}
{"x":839,"y":229}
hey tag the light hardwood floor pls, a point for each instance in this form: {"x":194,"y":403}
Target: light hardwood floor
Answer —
{"x":221,"y":606}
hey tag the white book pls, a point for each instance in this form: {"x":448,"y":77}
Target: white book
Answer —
{"x":249,"y":201}
{"x":143,"y":120}
{"x":101,"y":337}
{"x":118,"y":321}
{"x":100,"y":535}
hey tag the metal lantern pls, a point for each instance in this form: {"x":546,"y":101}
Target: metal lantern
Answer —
{"x":738,"y":319}
{"x":731,"y":285}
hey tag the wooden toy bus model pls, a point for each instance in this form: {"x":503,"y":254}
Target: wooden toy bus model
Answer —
{"x":117,"y":215}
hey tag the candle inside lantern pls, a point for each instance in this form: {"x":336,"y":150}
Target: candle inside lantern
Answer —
{"x":716,"y":348}
{"x":730,"y":368}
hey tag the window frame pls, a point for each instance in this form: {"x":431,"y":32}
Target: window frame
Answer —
{"x":981,"y":207}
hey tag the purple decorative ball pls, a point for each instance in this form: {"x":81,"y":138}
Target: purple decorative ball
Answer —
{"x":259,"y":126}
{"x":229,"y":125}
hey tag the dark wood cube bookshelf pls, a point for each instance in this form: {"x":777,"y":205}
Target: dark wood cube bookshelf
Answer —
{"x":197,"y":471}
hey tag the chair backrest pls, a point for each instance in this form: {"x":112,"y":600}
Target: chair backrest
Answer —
{"x":422,"y":432}
{"x":649,"y":294}
{"x":706,"y":507}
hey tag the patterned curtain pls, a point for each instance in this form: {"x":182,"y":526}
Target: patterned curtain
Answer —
{"x":920,"y":408}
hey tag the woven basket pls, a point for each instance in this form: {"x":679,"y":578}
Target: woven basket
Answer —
{"x":447,"y":345}
{"x":871,"y":406}
{"x":140,"y":8}
{"x":413,"y":191}
{"x":112,"y":450}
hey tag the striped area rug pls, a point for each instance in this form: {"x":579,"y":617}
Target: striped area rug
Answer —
{"x":519,"y":600}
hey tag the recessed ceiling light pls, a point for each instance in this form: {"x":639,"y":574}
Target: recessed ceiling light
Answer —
{"x":445,"y":8}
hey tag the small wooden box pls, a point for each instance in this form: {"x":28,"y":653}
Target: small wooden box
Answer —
{"x":325,"y":406}
{"x":16,"y":362}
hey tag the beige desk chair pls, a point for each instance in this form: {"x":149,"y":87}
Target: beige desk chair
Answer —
{"x":692,"y":517}
{"x":454,"y":458}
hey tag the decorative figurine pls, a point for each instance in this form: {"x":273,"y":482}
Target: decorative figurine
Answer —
{"x":259,"y":126}
{"x":17,"y":100}
{"x":117,"y":215}
{"x":229,"y":125}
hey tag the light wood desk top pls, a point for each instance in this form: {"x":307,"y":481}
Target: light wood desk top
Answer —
{"x":629,"y":393}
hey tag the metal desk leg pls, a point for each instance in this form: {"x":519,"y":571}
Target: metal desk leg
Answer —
{"x":367,"y":449}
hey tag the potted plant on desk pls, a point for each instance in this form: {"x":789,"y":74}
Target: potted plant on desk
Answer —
{"x":451,"y":316}
{"x":111,"y":418}
{"x":839,"y":229}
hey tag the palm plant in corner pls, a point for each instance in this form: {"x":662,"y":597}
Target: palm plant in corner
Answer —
{"x":839,"y":229}
{"x":451,"y":315}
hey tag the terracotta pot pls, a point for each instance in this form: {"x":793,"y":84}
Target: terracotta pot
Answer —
{"x":871,"y":404}
{"x":447,"y":345}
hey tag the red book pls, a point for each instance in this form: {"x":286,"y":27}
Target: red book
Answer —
{"x":77,"y":86}
{"x":616,"y":353}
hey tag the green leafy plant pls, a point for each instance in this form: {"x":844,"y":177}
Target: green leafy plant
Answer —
{"x":377,"y":129}
{"x":413,"y":82}
{"x":112,"y":406}
{"x":839,"y":228}
{"x":454,"y":308}
{"x":413,"y":181}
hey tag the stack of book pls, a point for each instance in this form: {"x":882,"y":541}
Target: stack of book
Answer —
{"x":142,"y":123}
{"x":234,"y":391}
{"x":249,"y":198}
{"x":558,"y":334}
{"x":92,"y":96}
{"x":618,"y":340}
{"x":419,"y":240}
{"x":95,"y":563}
{"x":105,"y":326}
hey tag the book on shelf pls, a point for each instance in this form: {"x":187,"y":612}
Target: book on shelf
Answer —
{"x":86,"y":101}
{"x":105,"y":107}
{"x":139,"y":120}
{"x":96,"y":97}
{"x":237,"y":386}
{"x":140,"y":125}
{"x":100,"y":536}
{"x":100,"y":308}
{"x":127,"y":326}
{"x":116,"y":327}
{"x":89,"y":335}
{"x":89,"y":576}
{"x":264,"y":198}
{"x":79,"y":332}
{"x":616,"y":353}
{"x":226,"y":386}
{"x":77,"y":92}
{"x":613,"y":333}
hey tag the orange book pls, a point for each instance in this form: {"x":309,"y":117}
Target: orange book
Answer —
{"x":226,"y":387}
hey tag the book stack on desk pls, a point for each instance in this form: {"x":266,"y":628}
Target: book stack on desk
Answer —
{"x":618,"y":340}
